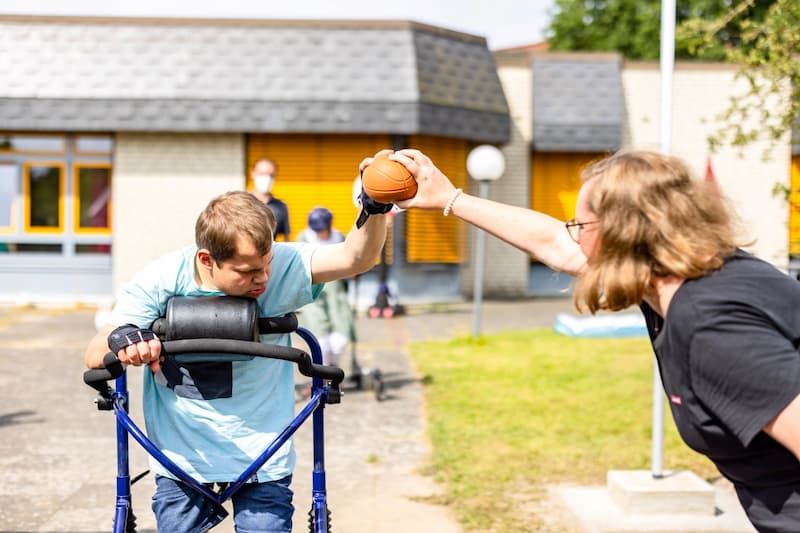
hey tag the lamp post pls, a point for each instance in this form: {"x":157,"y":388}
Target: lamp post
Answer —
{"x":485,"y":163}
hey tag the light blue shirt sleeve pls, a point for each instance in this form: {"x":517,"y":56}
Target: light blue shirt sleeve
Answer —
{"x":289,"y":287}
{"x":144,"y":298}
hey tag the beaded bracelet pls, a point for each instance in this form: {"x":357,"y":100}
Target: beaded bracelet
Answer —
{"x":449,"y":206}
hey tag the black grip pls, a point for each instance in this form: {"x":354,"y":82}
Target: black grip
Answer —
{"x":97,"y":377}
{"x":278,"y":324}
{"x":159,"y":327}
{"x":272,"y":351}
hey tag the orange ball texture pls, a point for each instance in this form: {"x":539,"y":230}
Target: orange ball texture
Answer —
{"x":388,"y":181}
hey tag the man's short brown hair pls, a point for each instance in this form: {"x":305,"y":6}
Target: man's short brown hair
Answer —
{"x":230,"y":215}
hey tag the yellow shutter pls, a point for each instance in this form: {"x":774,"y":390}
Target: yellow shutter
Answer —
{"x":794,"y":208}
{"x":431,"y":237}
{"x":315,"y":170}
{"x":556,"y":180}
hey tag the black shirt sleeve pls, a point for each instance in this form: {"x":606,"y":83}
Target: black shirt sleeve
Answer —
{"x":744,"y":370}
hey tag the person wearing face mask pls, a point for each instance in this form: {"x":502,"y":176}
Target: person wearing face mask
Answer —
{"x":263,"y":175}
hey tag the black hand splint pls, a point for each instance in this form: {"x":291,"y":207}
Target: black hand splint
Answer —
{"x":128,"y":334}
{"x":370,"y":207}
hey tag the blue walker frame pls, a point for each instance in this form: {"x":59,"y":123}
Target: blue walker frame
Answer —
{"x":323,"y":391}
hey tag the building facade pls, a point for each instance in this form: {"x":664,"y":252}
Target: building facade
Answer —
{"x":569,"y":109}
{"x":115,"y":132}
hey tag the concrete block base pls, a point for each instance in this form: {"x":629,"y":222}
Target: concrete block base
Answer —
{"x":635,"y":502}
{"x":638,"y":492}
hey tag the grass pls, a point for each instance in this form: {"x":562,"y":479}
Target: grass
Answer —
{"x":511,"y":413}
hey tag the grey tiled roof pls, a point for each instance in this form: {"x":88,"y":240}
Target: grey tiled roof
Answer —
{"x":577,"y":102}
{"x":255,"y":76}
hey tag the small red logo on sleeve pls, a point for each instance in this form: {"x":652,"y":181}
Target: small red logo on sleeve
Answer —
{"x":675,"y":399}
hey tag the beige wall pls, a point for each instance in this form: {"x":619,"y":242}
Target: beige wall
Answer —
{"x":701,"y":92}
{"x":506,"y":272}
{"x":161,"y":183}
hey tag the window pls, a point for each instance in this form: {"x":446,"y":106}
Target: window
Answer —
{"x":44,"y":186}
{"x":93,"y":144}
{"x":30,"y":248}
{"x":32,"y":144}
{"x":8,"y":197}
{"x":92,"y":198}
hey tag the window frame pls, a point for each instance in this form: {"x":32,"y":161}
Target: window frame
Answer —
{"x":13,"y":214}
{"x":76,"y":199}
{"x":62,"y":183}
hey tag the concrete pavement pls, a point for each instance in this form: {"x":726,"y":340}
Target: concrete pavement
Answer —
{"x":57,"y":461}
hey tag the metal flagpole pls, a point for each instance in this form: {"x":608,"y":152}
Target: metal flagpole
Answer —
{"x":667,"y":63}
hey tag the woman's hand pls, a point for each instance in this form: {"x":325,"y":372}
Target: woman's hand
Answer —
{"x":434,"y":189}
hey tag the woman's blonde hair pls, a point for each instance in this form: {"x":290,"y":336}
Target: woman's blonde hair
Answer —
{"x":655,"y":219}
{"x":230,"y":215}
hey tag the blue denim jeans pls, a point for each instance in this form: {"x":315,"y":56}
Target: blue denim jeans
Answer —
{"x":257,"y":508}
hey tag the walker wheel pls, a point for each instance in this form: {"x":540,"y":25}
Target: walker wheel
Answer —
{"x":374,"y":312}
{"x":130,"y":522}
{"x":378,"y":386}
{"x":312,"y":519}
{"x":387,"y":312}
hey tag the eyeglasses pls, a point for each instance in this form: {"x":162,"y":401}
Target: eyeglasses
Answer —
{"x":574,"y":228}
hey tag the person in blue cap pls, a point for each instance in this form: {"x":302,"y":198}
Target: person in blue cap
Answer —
{"x":330,"y":317}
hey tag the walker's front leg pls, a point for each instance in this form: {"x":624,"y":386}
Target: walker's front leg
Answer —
{"x":124,"y":520}
{"x":319,"y":516}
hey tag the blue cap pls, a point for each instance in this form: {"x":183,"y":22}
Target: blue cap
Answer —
{"x":320,"y":219}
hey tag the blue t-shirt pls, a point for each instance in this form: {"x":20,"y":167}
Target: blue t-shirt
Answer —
{"x":217,"y":439}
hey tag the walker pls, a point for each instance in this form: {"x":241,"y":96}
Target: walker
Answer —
{"x":193,"y":328}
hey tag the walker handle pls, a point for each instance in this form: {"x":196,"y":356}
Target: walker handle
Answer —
{"x":97,"y":377}
{"x":272,"y":351}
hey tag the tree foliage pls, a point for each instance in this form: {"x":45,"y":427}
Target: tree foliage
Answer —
{"x":633,"y":27}
{"x":769,"y":58}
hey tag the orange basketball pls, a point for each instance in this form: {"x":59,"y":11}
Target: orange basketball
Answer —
{"x":388,"y":181}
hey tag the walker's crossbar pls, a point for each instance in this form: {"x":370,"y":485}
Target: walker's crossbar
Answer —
{"x":130,"y":426}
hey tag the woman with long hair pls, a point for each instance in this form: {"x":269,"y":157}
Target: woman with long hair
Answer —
{"x":724,"y":325}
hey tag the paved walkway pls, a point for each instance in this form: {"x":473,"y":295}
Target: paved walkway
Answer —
{"x":57,"y":459}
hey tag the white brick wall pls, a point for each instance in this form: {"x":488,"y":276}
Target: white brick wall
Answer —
{"x":701,"y":92}
{"x":161,"y":183}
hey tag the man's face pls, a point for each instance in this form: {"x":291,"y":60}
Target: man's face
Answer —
{"x":263,"y":168}
{"x":244,"y":274}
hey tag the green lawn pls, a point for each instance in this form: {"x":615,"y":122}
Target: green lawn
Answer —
{"x":513,"y":412}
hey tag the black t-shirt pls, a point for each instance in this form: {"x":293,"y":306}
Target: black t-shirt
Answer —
{"x":281,"y":212}
{"x":729,"y":362}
